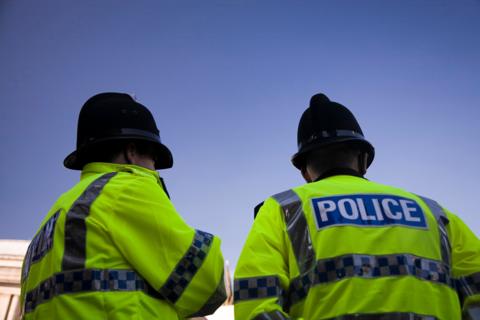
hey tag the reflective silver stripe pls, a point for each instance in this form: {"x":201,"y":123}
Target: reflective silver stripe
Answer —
{"x":442,"y":222}
{"x":385,"y":316}
{"x":468,"y":286}
{"x":273,"y":315}
{"x":75,"y":226}
{"x":257,"y":288}
{"x":368,"y":266}
{"x":87,"y":280}
{"x":216,"y":300}
{"x":187,"y":267}
{"x":297,"y":229}
{"x":471,"y":312}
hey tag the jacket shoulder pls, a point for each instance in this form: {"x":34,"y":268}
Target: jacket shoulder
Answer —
{"x":278,"y":198}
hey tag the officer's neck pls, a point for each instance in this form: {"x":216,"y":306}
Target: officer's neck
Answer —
{"x":131,"y":156}
{"x":336,"y":172}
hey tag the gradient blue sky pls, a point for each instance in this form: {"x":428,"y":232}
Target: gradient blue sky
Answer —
{"x":227,"y":82}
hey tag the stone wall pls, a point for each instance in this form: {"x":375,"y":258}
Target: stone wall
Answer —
{"x":11,"y":257}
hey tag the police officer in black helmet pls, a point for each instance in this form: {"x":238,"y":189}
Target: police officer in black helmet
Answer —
{"x":110,"y":121}
{"x":114,"y":246}
{"x":343,"y":247}
{"x":328,"y":128}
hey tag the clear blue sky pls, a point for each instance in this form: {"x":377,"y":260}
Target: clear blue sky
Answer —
{"x":227,"y":82}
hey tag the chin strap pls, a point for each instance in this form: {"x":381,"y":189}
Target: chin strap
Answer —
{"x":164,"y":186}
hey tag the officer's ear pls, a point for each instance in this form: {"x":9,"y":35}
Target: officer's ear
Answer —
{"x":362,"y":162}
{"x":305,"y":174}
{"x":130,"y":152}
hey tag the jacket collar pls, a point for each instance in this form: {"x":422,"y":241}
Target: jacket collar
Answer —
{"x":337,"y":172}
{"x":105,"y":167}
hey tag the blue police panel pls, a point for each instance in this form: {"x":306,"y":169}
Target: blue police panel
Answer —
{"x":367,"y":210}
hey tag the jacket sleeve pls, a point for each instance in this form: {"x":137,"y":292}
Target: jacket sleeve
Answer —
{"x":183,"y":264}
{"x":466,"y":266}
{"x":261,"y":274}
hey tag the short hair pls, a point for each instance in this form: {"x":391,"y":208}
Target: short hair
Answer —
{"x":108,"y":151}
{"x":333,"y":156}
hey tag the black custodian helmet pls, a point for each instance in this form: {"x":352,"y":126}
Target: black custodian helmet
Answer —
{"x":325,"y":123}
{"x":113,"y":116}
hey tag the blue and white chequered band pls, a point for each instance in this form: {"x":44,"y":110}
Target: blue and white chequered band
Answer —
{"x":187,"y":267}
{"x":87,"y":280}
{"x":257,"y":288}
{"x":338,"y":268}
{"x":368,"y":266}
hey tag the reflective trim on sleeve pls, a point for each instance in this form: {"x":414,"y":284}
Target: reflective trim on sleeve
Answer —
{"x":187,"y":267}
{"x":468,"y":286}
{"x":442,"y":222}
{"x":385,"y":316}
{"x":297,"y":229}
{"x":471,"y":312}
{"x":257,"y":288}
{"x":87,"y":280}
{"x":368,"y":266}
{"x":273,"y":315}
{"x":216,"y":300}
{"x":74,"y":255}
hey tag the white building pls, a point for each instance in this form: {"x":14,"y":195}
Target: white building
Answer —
{"x":11,"y":257}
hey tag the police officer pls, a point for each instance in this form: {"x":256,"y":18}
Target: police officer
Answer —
{"x":343,"y":247}
{"x":113,"y":246}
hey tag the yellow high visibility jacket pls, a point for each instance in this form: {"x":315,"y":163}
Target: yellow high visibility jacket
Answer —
{"x":114,"y":247}
{"x":348,"y":248}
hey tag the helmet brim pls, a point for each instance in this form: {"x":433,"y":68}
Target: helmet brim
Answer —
{"x":164,"y":159}
{"x":299,"y":158}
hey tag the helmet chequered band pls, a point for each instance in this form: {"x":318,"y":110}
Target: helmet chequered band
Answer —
{"x":468,"y":286}
{"x":257,"y":288}
{"x":368,"y":266}
{"x":331,"y":134}
{"x":187,"y":267}
{"x":88,"y":280}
